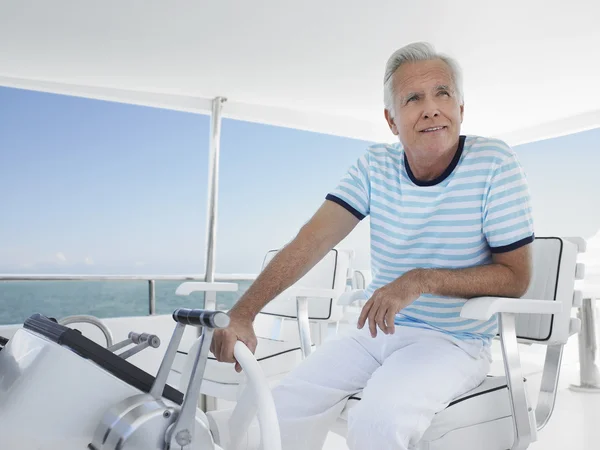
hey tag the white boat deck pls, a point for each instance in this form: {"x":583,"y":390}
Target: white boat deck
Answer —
{"x":574,"y":424}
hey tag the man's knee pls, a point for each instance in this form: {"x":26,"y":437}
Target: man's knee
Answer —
{"x":385,"y":424}
{"x":290,"y":395}
{"x":298,"y":396}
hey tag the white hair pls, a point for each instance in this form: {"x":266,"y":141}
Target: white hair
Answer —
{"x":418,"y":51}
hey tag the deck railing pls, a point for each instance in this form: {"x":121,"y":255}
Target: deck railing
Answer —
{"x":151,"y":279}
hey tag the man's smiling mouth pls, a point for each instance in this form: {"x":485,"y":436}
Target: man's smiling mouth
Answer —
{"x":432,"y":129}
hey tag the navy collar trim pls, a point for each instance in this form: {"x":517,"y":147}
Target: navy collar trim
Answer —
{"x":445,"y":174}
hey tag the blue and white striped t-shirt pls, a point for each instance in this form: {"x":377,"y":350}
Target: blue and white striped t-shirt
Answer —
{"x":480,"y":205}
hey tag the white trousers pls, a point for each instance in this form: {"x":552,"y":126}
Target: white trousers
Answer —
{"x":406,"y":379}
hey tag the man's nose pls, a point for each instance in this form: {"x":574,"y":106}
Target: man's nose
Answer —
{"x":430,"y":109}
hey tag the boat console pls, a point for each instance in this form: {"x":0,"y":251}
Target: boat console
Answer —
{"x":60,"y":390}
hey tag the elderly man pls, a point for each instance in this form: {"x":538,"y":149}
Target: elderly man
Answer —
{"x":450,"y":220}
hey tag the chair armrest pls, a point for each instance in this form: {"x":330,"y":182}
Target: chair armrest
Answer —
{"x":483,"y":308}
{"x":302,"y":294}
{"x":350,"y":297}
{"x":579,"y":242}
{"x":200,"y":286}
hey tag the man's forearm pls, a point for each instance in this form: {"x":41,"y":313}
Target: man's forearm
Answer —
{"x":287,"y":267}
{"x":488,"y":280}
{"x":328,"y":226}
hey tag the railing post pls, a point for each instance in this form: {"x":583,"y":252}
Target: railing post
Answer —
{"x":589,"y":374}
{"x":213,"y":187}
{"x":151,"y":297}
{"x":213,"y":199}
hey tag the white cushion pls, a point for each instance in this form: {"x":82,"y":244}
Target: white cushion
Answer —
{"x":546,"y":255}
{"x":495,"y":435}
{"x":488,"y":402}
{"x":275,"y":358}
{"x":553,"y":278}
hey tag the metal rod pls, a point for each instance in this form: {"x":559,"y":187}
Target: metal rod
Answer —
{"x":549,"y":386}
{"x":220,"y":276}
{"x":84,"y":318}
{"x":213,"y":184}
{"x":151,"y":279}
{"x":214,"y":152}
{"x":303,"y":326}
{"x":151,"y":297}
{"x":589,"y":374}
{"x":514,"y":377}
{"x":120,"y":345}
{"x":183,"y":431}
{"x":210,"y":300}
{"x":133,"y":350}
{"x":165,"y":366}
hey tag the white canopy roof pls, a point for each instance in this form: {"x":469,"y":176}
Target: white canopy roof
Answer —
{"x":531,"y":67}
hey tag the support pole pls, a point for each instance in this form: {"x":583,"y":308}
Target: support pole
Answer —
{"x":589,"y":375}
{"x":213,"y":198}
{"x":214,"y":150}
{"x":151,"y":297}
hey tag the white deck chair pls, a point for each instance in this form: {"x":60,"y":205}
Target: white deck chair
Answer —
{"x":284,"y":327}
{"x":498,"y":414}
{"x":361,"y":279}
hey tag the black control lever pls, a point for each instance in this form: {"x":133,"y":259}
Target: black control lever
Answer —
{"x":201,"y":318}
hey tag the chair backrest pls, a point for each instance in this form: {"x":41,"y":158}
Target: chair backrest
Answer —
{"x":555,"y":270}
{"x":332,"y":272}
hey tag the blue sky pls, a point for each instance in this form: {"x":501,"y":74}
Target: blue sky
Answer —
{"x":99,"y":187}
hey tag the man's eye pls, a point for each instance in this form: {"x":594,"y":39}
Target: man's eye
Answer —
{"x":444,"y":93}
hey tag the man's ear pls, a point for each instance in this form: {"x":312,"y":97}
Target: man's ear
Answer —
{"x":462,"y":112}
{"x":390,"y":121}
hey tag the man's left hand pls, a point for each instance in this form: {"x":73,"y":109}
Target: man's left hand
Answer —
{"x":388,"y":300}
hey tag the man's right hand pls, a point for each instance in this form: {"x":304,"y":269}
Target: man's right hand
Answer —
{"x":239,"y":329}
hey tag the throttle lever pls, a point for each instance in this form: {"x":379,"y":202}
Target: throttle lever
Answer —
{"x":201,"y":318}
{"x":180,"y":433}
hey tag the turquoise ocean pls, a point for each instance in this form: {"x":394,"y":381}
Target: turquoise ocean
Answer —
{"x":103,"y":299}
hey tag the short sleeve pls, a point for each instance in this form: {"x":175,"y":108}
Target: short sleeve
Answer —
{"x":353,"y":192}
{"x":507,"y":217}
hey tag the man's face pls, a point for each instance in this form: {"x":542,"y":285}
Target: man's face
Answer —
{"x":427,"y":110}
